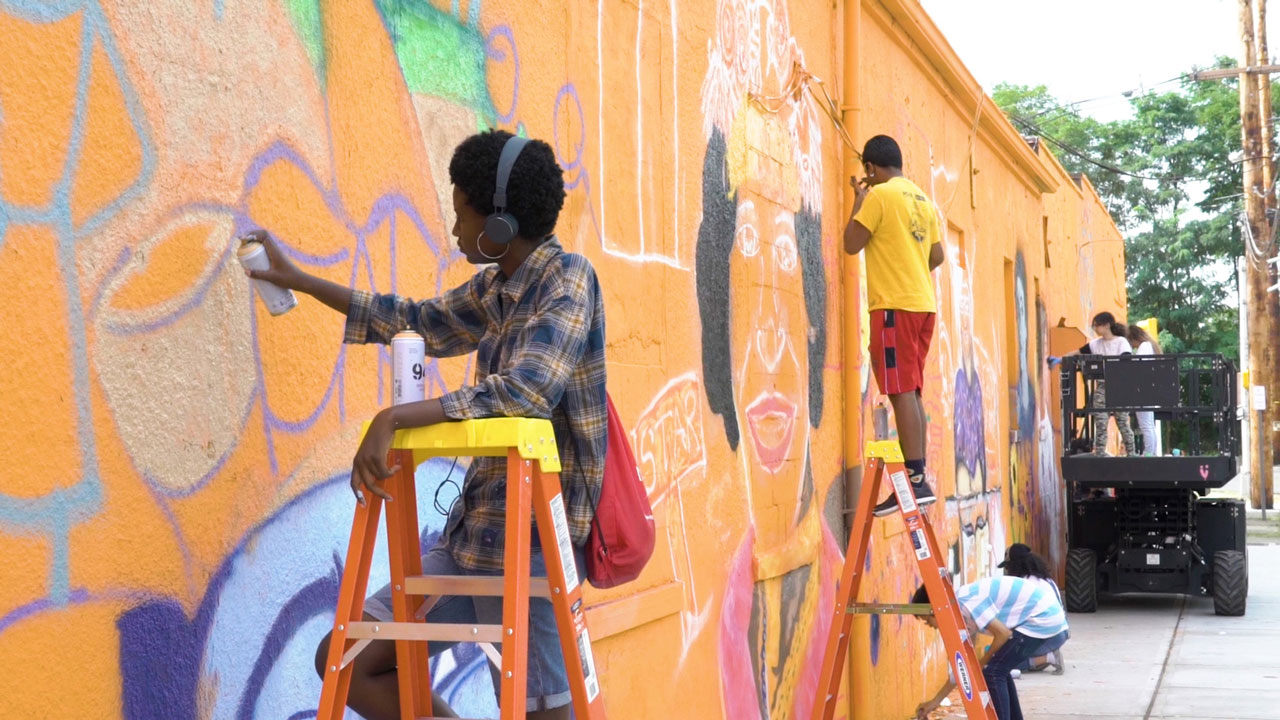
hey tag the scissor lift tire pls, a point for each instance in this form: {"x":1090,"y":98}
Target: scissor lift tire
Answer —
{"x":1082,"y":581}
{"x":1230,"y":582}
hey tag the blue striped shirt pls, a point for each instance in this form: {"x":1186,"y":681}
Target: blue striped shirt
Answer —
{"x":1031,"y":608}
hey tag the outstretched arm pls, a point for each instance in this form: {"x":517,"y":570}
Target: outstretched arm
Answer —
{"x":928,"y":706}
{"x":283,"y":273}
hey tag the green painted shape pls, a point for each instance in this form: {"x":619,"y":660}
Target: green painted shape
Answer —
{"x":306,"y":21}
{"x":439,"y":55}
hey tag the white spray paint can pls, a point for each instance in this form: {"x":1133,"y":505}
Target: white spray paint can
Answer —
{"x":408,"y":368}
{"x":253,"y":256}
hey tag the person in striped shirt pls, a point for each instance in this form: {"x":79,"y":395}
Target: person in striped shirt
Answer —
{"x":1021,"y":561}
{"x":1025,"y":620}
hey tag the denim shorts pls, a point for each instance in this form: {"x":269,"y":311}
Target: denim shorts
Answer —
{"x":548,"y":684}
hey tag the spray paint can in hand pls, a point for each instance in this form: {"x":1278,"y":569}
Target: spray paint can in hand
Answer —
{"x":408,"y":368}
{"x":253,"y":256}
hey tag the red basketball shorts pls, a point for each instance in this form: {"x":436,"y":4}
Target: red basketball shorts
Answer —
{"x":899,"y":345}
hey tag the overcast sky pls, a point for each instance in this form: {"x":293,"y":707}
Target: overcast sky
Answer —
{"x":1091,"y":48}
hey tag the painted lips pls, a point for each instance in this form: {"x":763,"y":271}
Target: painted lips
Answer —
{"x":771,"y":419}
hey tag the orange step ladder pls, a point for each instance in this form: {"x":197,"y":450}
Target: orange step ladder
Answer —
{"x":962,"y":658}
{"x":533,"y":482}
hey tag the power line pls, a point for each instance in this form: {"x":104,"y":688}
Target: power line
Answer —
{"x":1072,"y":150}
{"x":1083,"y":155}
{"x":1127,"y":94}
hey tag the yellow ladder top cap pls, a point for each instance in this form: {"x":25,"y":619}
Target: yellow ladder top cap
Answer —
{"x":887,"y":450}
{"x":535,"y":439}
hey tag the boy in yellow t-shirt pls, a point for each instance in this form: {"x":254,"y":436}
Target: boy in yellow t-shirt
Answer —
{"x":897,"y":224}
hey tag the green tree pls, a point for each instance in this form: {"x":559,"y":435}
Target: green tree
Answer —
{"x":1167,"y":177}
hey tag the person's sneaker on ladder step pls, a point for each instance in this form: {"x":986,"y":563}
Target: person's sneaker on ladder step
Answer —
{"x":923,"y":494}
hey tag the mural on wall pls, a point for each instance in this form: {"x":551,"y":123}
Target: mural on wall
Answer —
{"x":186,"y":564}
{"x":221,"y":524}
{"x":175,"y":530}
{"x":761,"y":291}
{"x":1049,"y":521}
{"x":1034,"y":482}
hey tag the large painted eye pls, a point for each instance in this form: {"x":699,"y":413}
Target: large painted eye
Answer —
{"x":747,"y":238}
{"x":784,"y":252}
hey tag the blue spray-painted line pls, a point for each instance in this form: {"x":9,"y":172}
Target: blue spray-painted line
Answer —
{"x":295,"y":427}
{"x":75,"y":596}
{"x":260,"y":393}
{"x":41,"y":11}
{"x":391,"y":247}
{"x":117,"y":267}
{"x":351,"y":283}
{"x":188,"y":563}
{"x":60,"y":533}
{"x":494,"y":53}
{"x":316,"y":260}
{"x":580,"y":174}
{"x":137,"y":118}
{"x":37,"y":606}
{"x":187,"y":491}
{"x":55,"y":513}
{"x":193,"y":301}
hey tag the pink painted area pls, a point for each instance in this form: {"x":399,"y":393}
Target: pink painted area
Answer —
{"x":737,"y":684}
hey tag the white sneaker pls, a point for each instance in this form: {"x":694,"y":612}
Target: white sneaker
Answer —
{"x":1059,"y":666}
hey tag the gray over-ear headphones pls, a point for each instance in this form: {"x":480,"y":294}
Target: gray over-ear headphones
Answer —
{"x":501,"y":227}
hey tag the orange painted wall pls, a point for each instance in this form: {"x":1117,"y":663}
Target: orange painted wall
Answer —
{"x":173,"y":510}
{"x":1019,"y":260}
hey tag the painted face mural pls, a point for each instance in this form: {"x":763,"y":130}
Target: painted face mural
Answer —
{"x":762,"y":298}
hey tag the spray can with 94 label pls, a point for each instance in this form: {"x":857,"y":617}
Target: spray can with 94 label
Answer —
{"x":408,"y":368}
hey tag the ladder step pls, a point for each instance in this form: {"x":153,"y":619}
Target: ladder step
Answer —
{"x":431,"y":632}
{"x":889,"y":609}
{"x":469,"y":585}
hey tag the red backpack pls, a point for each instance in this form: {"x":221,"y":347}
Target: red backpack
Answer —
{"x":622,"y":533}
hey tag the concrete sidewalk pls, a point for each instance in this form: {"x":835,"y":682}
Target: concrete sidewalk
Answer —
{"x":1153,"y":657}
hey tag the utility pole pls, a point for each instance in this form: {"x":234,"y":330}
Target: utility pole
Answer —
{"x":1269,"y":175}
{"x":1273,"y":298}
{"x":1254,"y":117}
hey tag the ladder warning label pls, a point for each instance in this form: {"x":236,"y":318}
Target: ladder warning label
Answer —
{"x":902,"y":488}
{"x":962,"y":676}
{"x":918,"y":542}
{"x":588,"y":665}
{"x":564,"y":544}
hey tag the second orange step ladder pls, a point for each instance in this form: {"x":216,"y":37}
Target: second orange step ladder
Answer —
{"x":533,"y":485}
{"x":961,"y":657}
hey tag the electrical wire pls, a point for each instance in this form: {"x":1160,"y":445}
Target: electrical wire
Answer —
{"x":1127,"y":94}
{"x":968,"y":156}
{"x":802,"y":80}
{"x":448,"y":480}
{"x":1083,"y":155}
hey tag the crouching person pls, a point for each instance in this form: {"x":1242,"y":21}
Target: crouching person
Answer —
{"x":1025,"y":620}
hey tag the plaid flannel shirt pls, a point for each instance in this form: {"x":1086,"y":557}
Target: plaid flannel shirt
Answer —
{"x":539,"y":342}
